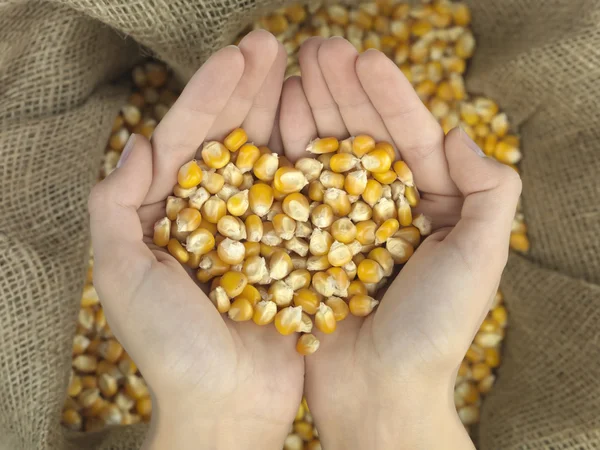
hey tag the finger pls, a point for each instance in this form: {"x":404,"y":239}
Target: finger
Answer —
{"x":260,"y":49}
{"x":182,"y":130}
{"x":275,"y":141}
{"x":337,"y":59}
{"x":324,"y":109}
{"x":491,"y":192}
{"x":120,"y":257}
{"x":259,"y":120}
{"x":418,"y":136}
{"x":296,"y":122}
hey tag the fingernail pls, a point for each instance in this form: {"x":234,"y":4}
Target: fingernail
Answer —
{"x":471,"y":143}
{"x":126,"y":150}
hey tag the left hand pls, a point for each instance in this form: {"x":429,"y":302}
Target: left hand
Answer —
{"x":215,"y":383}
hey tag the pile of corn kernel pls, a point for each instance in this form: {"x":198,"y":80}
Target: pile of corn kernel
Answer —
{"x":94,"y":400}
{"x":322,"y":234}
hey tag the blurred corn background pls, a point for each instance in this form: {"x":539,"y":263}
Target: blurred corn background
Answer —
{"x":431,"y":43}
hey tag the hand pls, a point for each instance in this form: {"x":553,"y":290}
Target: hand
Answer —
{"x":387,"y":381}
{"x":214,"y":383}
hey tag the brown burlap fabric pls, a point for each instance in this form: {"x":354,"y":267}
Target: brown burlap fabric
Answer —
{"x":541,"y":61}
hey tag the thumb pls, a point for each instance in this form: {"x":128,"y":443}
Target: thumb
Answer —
{"x":491,"y":191}
{"x":121,"y":258}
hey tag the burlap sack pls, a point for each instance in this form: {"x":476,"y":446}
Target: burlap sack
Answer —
{"x":541,"y":60}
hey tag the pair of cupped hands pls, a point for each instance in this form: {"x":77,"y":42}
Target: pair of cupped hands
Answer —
{"x":381,"y":382}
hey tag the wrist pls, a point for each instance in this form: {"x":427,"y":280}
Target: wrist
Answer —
{"x":216,"y":428}
{"x":421,"y":417}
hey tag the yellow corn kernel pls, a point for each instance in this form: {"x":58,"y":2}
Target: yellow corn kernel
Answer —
{"x":251,"y":294}
{"x":235,"y":140}
{"x":233,"y":283}
{"x":264,"y":312}
{"x":72,"y":419}
{"x":500,"y":315}
{"x":118,"y":139}
{"x":383,"y":257}
{"x":410,"y":235}
{"x":325,"y":159}
{"x":254,"y":228}
{"x":288,"y":180}
{"x":136,"y":387}
{"x":297,"y":245}
{"x":377,"y":161}
{"x":305,"y":326}
{"x":284,"y":226}
{"x":362,"y":144}
{"x":325,"y":319}
{"x":519,"y":242}
{"x":307,"y":344}
{"x":110,"y":350}
{"x":322,"y":216}
{"x":220,"y":299}
{"x":370,"y":271}
{"x":343,"y":230}
{"x":189,"y":175}
{"x":89,"y":382}
{"x":339,"y":254}
{"x":183,"y":192}
{"x":400,"y":250}
{"x":412,"y":196}
{"x":280,"y":293}
{"x":296,"y":206}
{"x":162,"y":232}
{"x":323,"y":145}
{"x":355,"y":182}
{"x":177,"y":250}
{"x":323,"y":283}
{"x":247,"y":156}
{"x":232,"y":175}
{"x":385,"y":177}
{"x":241,"y":310}
{"x":107,"y":385}
{"x":188,"y":219}
{"x":266,"y":250}
{"x":339,"y":280}
{"x":372,"y":193}
{"x":356,"y":287}
{"x":288,"y":320}
{"x":307,"y":299}
{"x":280,"y":265}
{"x":383,"y":210}
{"x":331,"y":179}
{"x":75,"y":386}
{"x":174,"y":205}
{"x":365,"y":232}
{"x":386,"y":230}
{"x":423,"y":224}
{"x":362,"y":305}
{"x":213,"y":209}
{"x":339,"y":307}
{"x":215,"y":155}
{"x":270,"y":237}
{"x":492,"y":357}
{"x":261,"y":198}
{"x":338,"y":200}
{"x":461,"y":14}
{"x":213,"y":182}
{"x":298,"y":279}
{"x":404,"y":173}
{"x":255,"y":268}
{"x":231,"y":252}
{"x":266,"y":166}
{"x":343,"y":162}
{"x":404,"y":211}
{"x":360,"y":212}
{"x":314,"y":263}
{"x":232,"y":227}
{"x":238,"y":204}
{"x":506,"y":153}
{"x":197,"y":199}
{"x":310,"y":167}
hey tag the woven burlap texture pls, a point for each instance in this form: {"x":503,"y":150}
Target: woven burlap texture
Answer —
{"x":58,"y":64}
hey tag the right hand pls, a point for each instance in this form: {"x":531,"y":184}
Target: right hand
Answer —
{"x":387,"y":381}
